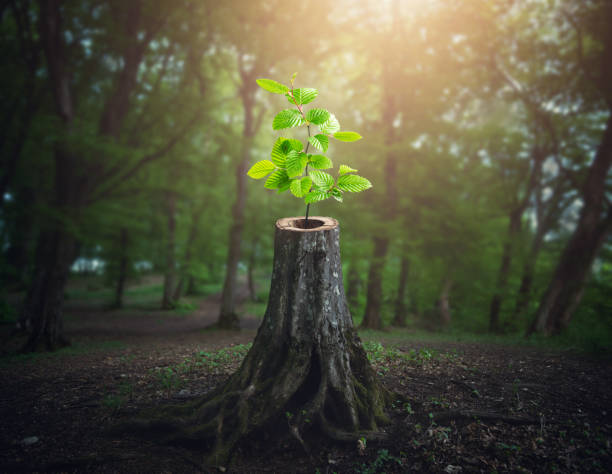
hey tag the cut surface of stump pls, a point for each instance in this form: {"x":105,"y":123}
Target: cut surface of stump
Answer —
{"x":307,"y":371}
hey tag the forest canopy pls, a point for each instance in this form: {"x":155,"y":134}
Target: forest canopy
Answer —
{"x":129,"y":128}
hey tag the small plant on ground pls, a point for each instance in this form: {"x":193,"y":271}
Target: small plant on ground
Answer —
{"x":291,"y":166}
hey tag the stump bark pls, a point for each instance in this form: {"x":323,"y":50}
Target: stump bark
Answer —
{"x":307,"y":372}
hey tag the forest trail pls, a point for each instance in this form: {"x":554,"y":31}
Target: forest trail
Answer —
{"x":151,"y":323}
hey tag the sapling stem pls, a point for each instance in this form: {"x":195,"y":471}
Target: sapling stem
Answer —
{"x":306,"y":151}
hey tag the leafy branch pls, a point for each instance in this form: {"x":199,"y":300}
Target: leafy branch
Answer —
{"x":291,"y":167}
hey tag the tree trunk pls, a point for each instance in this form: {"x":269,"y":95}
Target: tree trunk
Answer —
{"x":307,"y":372}
{"x":371,"y":318}
{"x":443,"y":308}
{"x":43,"y":307}
{"x":567,"y":284}
{"x":170,"y":273}
{"x":514,"y":227}
{"x":193,"y":233}
{"x":191,"y":286}
{"x":399,"y":319}
{"x":228,"y":319}
{"x":123,"y":267}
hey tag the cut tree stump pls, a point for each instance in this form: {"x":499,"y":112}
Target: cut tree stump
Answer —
{"x":306,"y":373}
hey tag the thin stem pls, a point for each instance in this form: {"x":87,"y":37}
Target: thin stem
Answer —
{"x":306,"y":171}
{"x":299,"y":107}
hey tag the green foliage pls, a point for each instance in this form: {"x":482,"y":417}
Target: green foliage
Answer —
{"x":290,"y":161}
{"x":383,"y":459}
{"x":319,"y":141}
{"x":272,"y":86}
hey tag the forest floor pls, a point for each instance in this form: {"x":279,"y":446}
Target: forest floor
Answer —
{"x":472,"y":407}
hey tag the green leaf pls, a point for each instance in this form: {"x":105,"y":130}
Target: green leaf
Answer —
{"x":302,"y":96}
{"x":347,"y":136}
{"x":322,"y":180}
{"x":320,"y":162}
{"x":278,"y":155}
{"x":317,"y":116}
{"x":296,"y":163}
{"x":331,"y":125}
{"x":277,"y":180}
{"x":346,"y":169}
{"x":315,"y":196}
{"x":291,"y":144}
{"x":272,"y":86}
{"x":287,"y":118}
{"x":353,"y":183}
{"x":336,"y":194}
{"x":300,"y":187}
{"x":320,"y":142}
{"x":261,"y":169}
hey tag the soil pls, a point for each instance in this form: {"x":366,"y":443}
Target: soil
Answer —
{"x":460,"y":407}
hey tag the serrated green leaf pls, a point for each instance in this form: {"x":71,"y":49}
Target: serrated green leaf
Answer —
{"x":320,"y":162}
{"x":346,"y":169}
{"x":278,"y":155}
{"x":331,"y":125}
{"x":291,"y":144}
{"x":315,"y":196}
{"x":261,"y":169}
{"x":353,"y":183}
{"x":322,"y":180}
{"x":284,"y":186}
{"x":347,"y":136}
{"x":320,"y":142}
{"x":300,"y":187}
{"x":272,"y":86}
{"x":287,"y":118}
{"x":317,"y":116}
{"x":296,"y":163}
{"x":302,"y":96}
{"x":336,"y":194}
{"x":277,"y":180}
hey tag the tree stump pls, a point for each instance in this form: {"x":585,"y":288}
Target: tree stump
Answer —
{"x":307,"y":372}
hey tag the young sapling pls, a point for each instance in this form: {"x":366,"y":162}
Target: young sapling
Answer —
{"x":291,"y":166}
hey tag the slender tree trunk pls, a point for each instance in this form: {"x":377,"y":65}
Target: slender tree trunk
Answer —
{"x":371,"y":318}
{"x":170,"y":271}
{"x":567,"y":284}
{"x":399,"y":319}
{"x":123,"y":267}
{"x":524,"y":293}
{"x":443,"y":308}
{"x":514,"y":228}
{"x":307,"y":374}
{"x":191,"y":286}
{"x":193,"y":233}
{"x":228,"y":319}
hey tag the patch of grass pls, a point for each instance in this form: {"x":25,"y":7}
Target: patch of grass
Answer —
{"x":566,"y":341}
{"x":383,"y":459}
{"x":76,"y":349}
{"x":227,"y":359}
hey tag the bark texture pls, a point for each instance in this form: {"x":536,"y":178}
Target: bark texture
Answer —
{"x":307,"y":359}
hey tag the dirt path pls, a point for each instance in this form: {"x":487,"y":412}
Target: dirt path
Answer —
{"x":146,"y":326}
